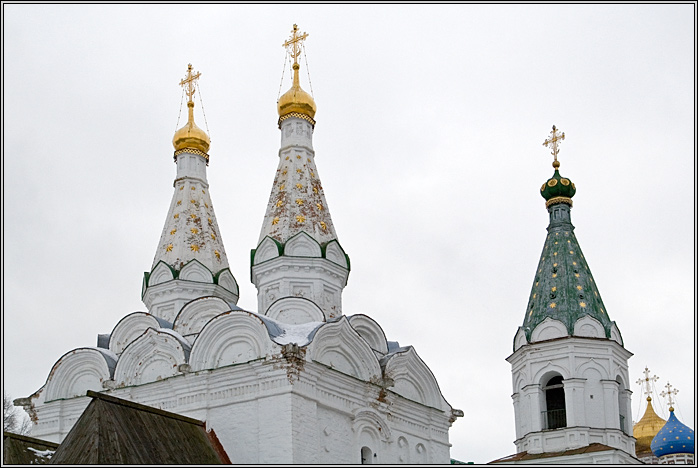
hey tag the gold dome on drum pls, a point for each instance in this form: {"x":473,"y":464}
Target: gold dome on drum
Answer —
{"x":295,"y":99}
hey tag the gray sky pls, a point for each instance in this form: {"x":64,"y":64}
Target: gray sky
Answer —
{"x":428,"y":142}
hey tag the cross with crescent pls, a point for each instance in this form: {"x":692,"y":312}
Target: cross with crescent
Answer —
{"x":188,"y":81}
{"x":293,"y":45}
{"x":552,"y":142}
{"x":670,"y":394}
{"x":646,"y":382}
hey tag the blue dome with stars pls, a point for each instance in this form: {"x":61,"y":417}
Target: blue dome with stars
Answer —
{"x":675,"y":437}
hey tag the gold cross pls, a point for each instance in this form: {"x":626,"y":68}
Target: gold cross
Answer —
{"x":188,"y":81}
{"x":552,"y":142}
{"x":646,"y":381}
{"x":293,"y":45}
{"x":670,"y":393}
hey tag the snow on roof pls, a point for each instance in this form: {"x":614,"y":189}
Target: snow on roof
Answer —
{"x":284,"y":333}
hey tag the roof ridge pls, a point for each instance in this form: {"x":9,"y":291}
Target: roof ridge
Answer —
{"x":146,"y":408}
{"x":32,"y":440}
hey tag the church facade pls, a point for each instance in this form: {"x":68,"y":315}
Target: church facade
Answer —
{"x":297,"y":381}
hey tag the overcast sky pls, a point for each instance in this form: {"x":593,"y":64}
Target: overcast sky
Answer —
{"x":428,"y":142}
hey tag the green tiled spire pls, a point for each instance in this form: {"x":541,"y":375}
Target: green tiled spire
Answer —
{"x":563,"y":288}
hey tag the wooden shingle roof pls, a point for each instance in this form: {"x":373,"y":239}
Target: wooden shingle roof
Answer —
{"x":116,"y":431}
{"x":22,"y":450}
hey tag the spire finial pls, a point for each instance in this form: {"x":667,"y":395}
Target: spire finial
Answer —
{"x":645,"y":383}
{"x":670,"y":394}
{"x":293,"y":44}
{"x":188,"y":83}
{"x":552,"y":143}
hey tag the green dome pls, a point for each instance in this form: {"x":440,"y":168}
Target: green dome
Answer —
{"x":558,"y":189}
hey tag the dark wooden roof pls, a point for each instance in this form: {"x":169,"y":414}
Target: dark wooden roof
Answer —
{"x":530,"y":457}
{"x":115,"y":431}
{"x":22,"y":450}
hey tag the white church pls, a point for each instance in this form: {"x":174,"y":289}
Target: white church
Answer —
{"x":297,"y":381}
{"x":301,"y":381}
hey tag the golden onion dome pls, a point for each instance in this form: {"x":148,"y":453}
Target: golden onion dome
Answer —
{"x":191,"y":136}
{"x":646,"y":428}
{"x":295,"y":99}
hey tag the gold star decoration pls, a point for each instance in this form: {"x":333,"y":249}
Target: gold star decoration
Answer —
{"x":555,"y":254}
{"x":595,"y":293}
{"x":176,"y":215}
{"x":193,"y":188}
{"x":555,"y":242}
{"x":308,"y":159}
{"x":576,"y":275}
{"x":194,"y":231}
{"x":213,"y":236}
{"x":319,"y":206}
{"x":553,"y":289}
{"x":206,"y":205}
{"x":582,"y":304}
{"x":179,"y":202}
{"x":300,"y":219}
{"x":553,"y":305}
{"x":536,"y":283}
{"x":554,"y":275}
{"x":209,"y":221}
{"x":534,"y":295}
{"x":172,"y":232}
{"x":285,"y":172}
{"x":298,"y":156}
{"x":569,"y":241}
{"x":203,"y":191}
{"x":530,"y":313}
{"x":279,"y":203}
{"x":218,"y":254}
{"x":299,"y":201}
{"x":169,"y":248}
{"x":571,"y":252}
{"x":193,"y":216}
{"x":574,"y":263}
{"x":579,"y":287}
{"x":554,"y":264}
{"x":287,"y":158}
{"x":323,"y":225}
{"x":299,"y":186}
{"x":315,"y":189}
{"x":299,"y":170}
{"x":312,"y":174}
{"x":283,"y":187}
{"x":194,"y":248}
{"x":182,"y":187}
{"x":192,"y":201}
{"x":601,"y":310}
{"x":275,"y":221}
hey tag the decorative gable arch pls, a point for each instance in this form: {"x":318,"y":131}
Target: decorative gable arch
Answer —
{"x":195,"y":271}
{"x":335,"y":253}
{"x":225,"y":279}
{"x":340,"y":347}
{"x":370,"y":331}
{"x":414,"y":380}
{"x":266,"y":250}
{"x":161,"y":274}
{"x":197,"y":313}
{"x":520,"y":339}
{"x":615,"y":334}
{"x":230,"y":338}
{"x":549,"y":329}
{"x":155,"y":355}
{"x":302,"y":245}
{"x":131,"y":327}
{"x":370,"y":420}
{"x":295,"y":310}
{"x":589,"y":327}
{"x":78,"y":371}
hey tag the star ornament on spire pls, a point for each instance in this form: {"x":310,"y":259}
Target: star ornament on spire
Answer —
{"x":670,"y":394}
{"x":555,"y":138}
{"x":293,"y":44}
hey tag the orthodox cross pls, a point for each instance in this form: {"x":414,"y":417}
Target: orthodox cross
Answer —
{"x":293,"y":45}
{"x":188,"y":81}
{"x":552,"y":143}
{"x":670,"y":394}
{"x":646,"y":382}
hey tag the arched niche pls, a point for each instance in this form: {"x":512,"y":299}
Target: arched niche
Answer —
{"x":78,"y":371}
{"x":548,"y":329}
{"x":195,"y":271}
{"x":131,"y":327}
{"x":589,"y":327}
{"x":232,"y":337}
{"x":302,"y":245}
{"x":520,"y":339}
{"x":160,"y":274}
{"x":153,"y":356}
{"x":225,"y":279}
{"x":335,"y":253}
{"x":370,"y":331}
{"x":295,"y":310}
{"x":592,"y":370}
{"x":403,"y":450}
{"x":339,"y":346}
{"x":266,"y":250}
{"x":414,"y":380}
{"x":197,"y":313}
